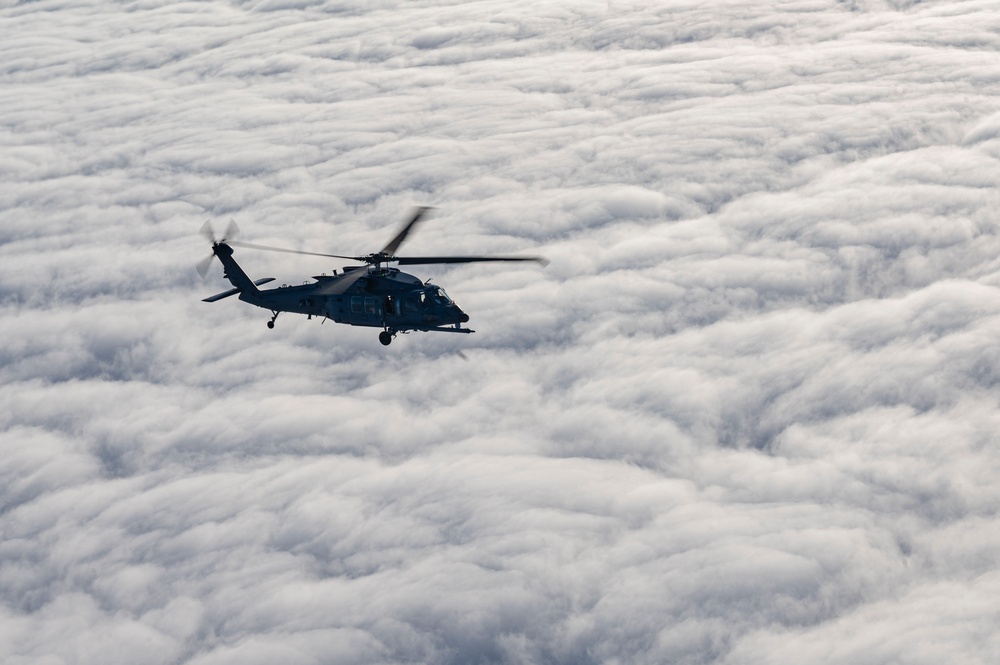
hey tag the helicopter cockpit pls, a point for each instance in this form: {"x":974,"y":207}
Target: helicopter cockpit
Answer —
{"x":432,"y":306}
{"x":438,"y":296}
{"x":427,"y":297}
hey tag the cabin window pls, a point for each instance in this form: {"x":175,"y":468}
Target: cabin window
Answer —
{"x":370,"y":305}
{"x":357,"y":304}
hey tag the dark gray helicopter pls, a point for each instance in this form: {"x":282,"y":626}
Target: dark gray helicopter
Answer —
{"x":373,"y":295}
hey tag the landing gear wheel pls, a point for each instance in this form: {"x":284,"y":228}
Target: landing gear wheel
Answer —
{"x":270,"y":324}
{"x":385,"y":337}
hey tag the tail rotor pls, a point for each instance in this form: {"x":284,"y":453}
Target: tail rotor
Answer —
{"x":232,"y":232}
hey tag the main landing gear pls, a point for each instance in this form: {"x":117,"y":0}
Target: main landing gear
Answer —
{"x":270,"y":324}
{"x":386,"y":337}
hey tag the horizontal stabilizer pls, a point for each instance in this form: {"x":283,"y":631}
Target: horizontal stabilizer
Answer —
{"x":233,"y":292}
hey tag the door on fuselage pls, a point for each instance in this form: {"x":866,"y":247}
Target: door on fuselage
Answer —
{"x":411,"y":307}
{"x":366,"y":311}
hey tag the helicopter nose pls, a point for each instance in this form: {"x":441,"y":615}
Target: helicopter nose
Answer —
{"x":464,"y":318}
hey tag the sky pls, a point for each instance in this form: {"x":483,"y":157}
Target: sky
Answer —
{"x":748,"y":414}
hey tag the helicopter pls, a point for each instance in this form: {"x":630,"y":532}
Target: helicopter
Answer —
{"x":373,"y":295}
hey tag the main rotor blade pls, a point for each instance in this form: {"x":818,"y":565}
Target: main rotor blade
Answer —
{"x":249,"y":245}
{"x":418,"y":214}
{"x":345,"y":282}
{"x":426,"y":260}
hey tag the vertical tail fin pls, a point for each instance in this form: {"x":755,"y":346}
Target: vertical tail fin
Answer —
{"x":234,"y":273}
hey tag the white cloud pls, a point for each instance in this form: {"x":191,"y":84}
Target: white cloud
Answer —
{"x":746,"y":415}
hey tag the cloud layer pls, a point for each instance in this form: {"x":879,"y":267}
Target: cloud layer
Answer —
{"x":748,"y":413}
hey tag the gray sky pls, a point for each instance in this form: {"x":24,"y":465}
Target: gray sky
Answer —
{"x":748,"y":414}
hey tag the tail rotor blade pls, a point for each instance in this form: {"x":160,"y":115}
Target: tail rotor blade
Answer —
{"x":204,"y":265}
{"x":206,"y":230}
{"x":232,"y":231}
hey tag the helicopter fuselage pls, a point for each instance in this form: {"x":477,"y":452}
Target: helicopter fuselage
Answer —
{"x":384,"y":298}
{"x":380,"y":297}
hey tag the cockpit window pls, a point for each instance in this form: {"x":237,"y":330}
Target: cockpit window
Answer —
{"x":439,"y":296}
